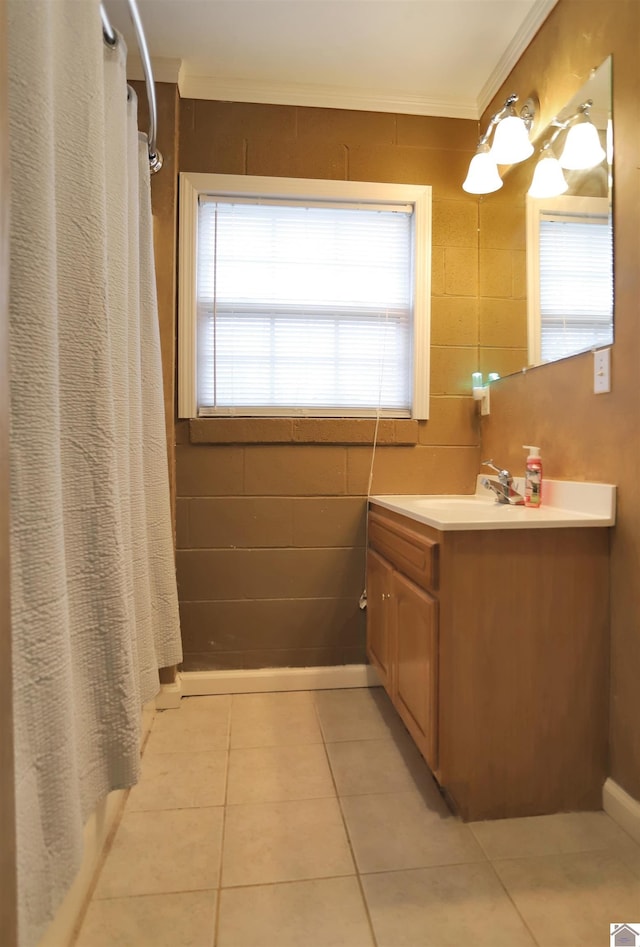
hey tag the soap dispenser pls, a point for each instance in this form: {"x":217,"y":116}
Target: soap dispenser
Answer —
{"x":533,"y":477}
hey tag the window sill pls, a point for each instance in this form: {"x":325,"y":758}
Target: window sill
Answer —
{"x":399,"y":432}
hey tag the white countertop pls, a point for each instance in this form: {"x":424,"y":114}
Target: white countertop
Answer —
{"x":565,"y":503}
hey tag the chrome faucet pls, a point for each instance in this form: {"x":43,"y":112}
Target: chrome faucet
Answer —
{"x":504,"y":489}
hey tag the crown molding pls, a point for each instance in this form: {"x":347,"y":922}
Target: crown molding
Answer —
{"x":164,"y":70}
{"x":334,"y":97}
{"x":530,"y":26}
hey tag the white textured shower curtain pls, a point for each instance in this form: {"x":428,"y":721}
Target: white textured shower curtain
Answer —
{"x":94,"y":605}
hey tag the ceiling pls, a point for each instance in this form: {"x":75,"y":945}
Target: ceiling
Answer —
{"x":423,"y":57}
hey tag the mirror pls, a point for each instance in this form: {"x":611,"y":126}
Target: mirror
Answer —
{"x":557,"y":298}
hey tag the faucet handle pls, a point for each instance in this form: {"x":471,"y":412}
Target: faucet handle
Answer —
{"x":504,"y":475}
{"x":490,"y":463}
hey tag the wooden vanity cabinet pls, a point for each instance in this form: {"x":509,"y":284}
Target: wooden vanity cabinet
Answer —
{"x":380,"y":634}
{"x":416,"y":661}
{"x":402,"y":626}
{"x":493,"y":647}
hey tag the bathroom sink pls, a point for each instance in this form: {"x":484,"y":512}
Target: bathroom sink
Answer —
{"x":566,"y":503}
{"x":469,"y":503}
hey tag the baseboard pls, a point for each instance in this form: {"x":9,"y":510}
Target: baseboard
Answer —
{"x":623,"y":808}
{"x":170,"y":695}
{"x":203,"y":683}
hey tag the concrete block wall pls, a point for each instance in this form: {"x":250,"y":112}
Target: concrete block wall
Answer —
{"x":271,"y":512}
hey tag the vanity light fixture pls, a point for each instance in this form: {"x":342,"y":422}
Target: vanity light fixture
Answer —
{"x":510,"y":145}
{"x":548,"y":179}
{"x":511,"y":139}
{"x":482,"y":176}
{"x":582,"y":148}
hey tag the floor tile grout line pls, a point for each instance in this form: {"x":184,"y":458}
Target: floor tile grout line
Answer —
{"x":216,"y":749}
{"x":216,"y":919}
{"x":288,"y":881}
{"x":273,"y":746}
{"x":154,"y":894}
{"x":278,"y":802}
{"x":598,"y":850}
{"x":162,"y":812}
{"x":435,"y":867}
{"x":379,"y":871}
{"x":515,"y":906}
{"x":365,"y":903}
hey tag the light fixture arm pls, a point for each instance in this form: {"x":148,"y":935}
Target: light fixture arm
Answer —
{"x":527,"y":114}
{"x":582,"y":111}
{"x":497,"y":118}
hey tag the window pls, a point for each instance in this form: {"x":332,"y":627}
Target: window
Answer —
{"x":303,"y":297}
{"x":570,"y":271}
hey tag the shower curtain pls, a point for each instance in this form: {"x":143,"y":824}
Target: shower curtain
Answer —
{"x":94,"y":605}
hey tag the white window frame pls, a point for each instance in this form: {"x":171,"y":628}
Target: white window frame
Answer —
{"x":192,"y":185}
{"x":536,"y":207}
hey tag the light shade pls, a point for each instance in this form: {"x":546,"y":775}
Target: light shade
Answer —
{"x":548,"y":179}
{"x":582,"y":149}
{"x":482,"y":176}
{"x":511,"y":141}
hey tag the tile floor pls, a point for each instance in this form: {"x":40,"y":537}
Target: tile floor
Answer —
{"x":308,"y":819}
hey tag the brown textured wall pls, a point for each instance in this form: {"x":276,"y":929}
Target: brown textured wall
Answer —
{"x":8,"y":871}
{"x":582,"y":435}
{"x":271,"y":536}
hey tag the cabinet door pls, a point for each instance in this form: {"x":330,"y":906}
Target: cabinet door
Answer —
{"x":379,"y":625}
{"x":416,"y":672}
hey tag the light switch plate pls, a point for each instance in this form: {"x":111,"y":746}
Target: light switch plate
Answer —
{"x":602,"y":371}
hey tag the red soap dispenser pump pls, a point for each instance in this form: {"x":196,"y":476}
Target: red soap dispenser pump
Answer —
{"x":533,"y":477}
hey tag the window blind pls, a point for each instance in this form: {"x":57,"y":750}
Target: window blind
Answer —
{"x":576,"y":284}
{"x":303,"y":308}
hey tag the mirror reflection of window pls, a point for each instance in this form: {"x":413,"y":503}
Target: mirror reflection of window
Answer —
{"x":569,"y":264}
{"x":576,"y":284}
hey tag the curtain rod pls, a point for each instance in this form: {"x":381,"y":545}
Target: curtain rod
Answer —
{"x":111,"y":38}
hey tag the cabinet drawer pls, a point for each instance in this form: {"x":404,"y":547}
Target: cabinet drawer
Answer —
{"x":414,"y":555}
